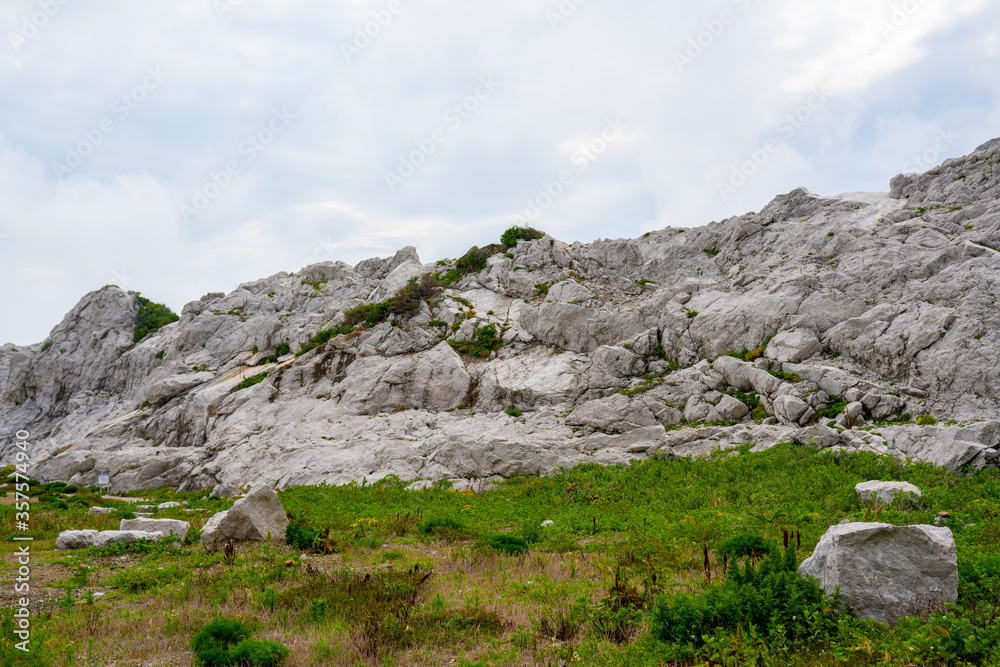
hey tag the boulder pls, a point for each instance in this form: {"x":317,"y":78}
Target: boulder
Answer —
{"x":789,"y":409}
{"x":818,"y":436}
{"x":145,"y":508}
{"x":166,"y":506}
{"x":101,"y":510}
{"x":76,"y":539}
{"x":728,"y":409}
{"x":793,"y":346}
{"x":164,"y":526}
{"x":257,"y":516}
{"x":886,"y":572}
{"x":883,"y":492}
{"x":224,"y":491}
{"x":106,"y":537}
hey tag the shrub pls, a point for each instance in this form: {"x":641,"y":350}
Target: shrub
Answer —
{"x":833,"y":407}
{"x":407,"y":300}
{"x":46,"y":345}
{"x":770,"y":599}
{"x":745,"y":546}
{"x":515,"y":234}
{"x":926,"y":420}
{"x":282,"y":349}
{"x":473,"y":261}
{"x":151,"y":316}
{"x":542,"y":289}
{"x":513,"y":412}
{"x":435,"y":523}
{"x":227,"y":642}
{"x":484,"y":341}
{"x":249,"y":382}
{"x":504,"y":544}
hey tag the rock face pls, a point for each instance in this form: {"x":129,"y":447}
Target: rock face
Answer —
{"x":83,"y":539}
{"x":877,"y":305}
{"x":224,"y":491}
{"x":884,"y":492}
{"x":887,"y":572}
{"x":255,"y":517}
{"x":163,"y":526}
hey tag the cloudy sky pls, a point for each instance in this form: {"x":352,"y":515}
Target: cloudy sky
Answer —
{"x":178,"y":147}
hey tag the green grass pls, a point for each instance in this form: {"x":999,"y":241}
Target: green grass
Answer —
{"x":425,"y":577}
{"x":250,"y":381}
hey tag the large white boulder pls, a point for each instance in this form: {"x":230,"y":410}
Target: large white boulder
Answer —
{"x":886,"y":572}
{"x":883,"y":492}
{"x":793,"y":346}
{"x":257,"y":516}
{"x":76,"y":539}
{"x":164,"y":526}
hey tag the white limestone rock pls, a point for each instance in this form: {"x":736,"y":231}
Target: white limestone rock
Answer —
{"x":257,"y":516}
{"x":795,"y":345}
{"x":164,"y":526}
{"x":887,"y":572}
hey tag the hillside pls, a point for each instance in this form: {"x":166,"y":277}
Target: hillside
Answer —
{"x":874,"y":313}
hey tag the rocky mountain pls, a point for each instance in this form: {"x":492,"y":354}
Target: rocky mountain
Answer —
{"x":851,"y":316}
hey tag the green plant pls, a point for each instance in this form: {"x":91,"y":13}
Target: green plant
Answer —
{"x":441,"y":523}
{"x":160,"y":354}
{"x":926,"y":420}
{"x":746,"y":546}
{"x":249,"y":382}
{"x":769,"y":599}
{"x":513,"y":412}
{"x":515,"y":234}
{"x":711,"y":251}
{"x":46,"y":345}
{"x":542,"y":289}
{"x":504,"y":544}
{"x":833,"y":407}
{"x":484,"y":341}
{"x":224,"y":642}
{"x":150,"y":317}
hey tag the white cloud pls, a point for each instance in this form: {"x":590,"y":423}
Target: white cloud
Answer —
{"x":318,"y":191}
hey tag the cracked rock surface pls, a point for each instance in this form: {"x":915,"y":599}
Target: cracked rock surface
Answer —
{"x":844,"y":313}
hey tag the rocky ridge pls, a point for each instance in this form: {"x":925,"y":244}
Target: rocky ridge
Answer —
{"x":849,"y":312}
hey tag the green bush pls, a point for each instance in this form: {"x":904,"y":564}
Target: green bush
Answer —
{"x":515,"y":234}
{"x":504,"y":544}
{"x":300,"y":537}
{"x":746,"y":546}
{"x":771,"y":600}
{"x":513,"y":412}
{"x":473,"y":261}
{"x":483,"y":342}
{"x":926,"y":420}
{"x":227,"y":642}
{"x":151,"y":316}
{"x":70,"y":488}
{"x":282,"y":349}
{"x":834,"y":406}
{"x":407,"y":300}
{"x":435,"y":523}
{"x":249,"y":382}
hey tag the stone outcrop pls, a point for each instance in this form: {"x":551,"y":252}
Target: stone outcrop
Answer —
{"x":83,"y":539}
{"x":178,"y":529}
{"x":258,"y":516}
{"x":822,"y":319}
{"x":887,"y":572}
{"x":884,"y":492}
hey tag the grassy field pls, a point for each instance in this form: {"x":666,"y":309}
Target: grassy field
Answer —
{"x":435,"y":577}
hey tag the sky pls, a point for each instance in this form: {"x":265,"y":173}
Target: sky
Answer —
{"x":180,"y":147}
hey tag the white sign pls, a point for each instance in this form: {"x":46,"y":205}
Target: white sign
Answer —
{"x":104,"y":479}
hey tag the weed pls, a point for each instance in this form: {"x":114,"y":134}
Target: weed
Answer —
{"x":249,"y":382}
{"x":514,"y":234}
{"x":542,"y":289}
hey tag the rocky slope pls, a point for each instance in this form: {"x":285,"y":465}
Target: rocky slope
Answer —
{"x":884,"y":302}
